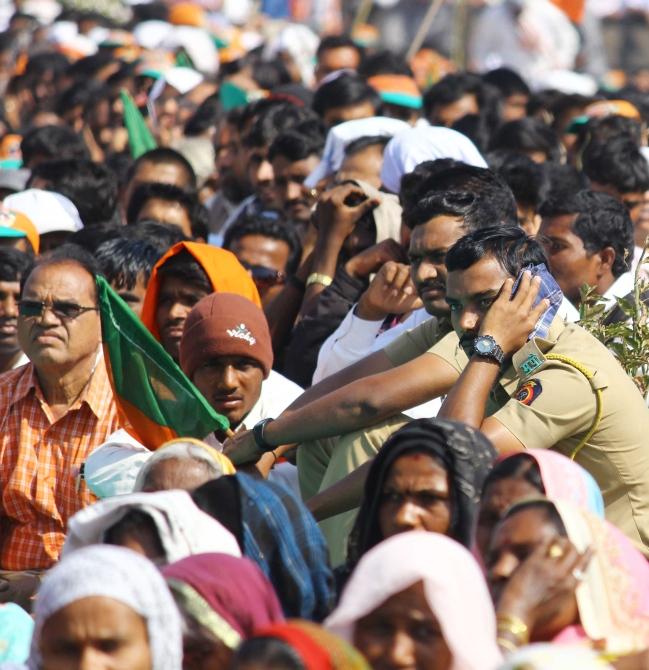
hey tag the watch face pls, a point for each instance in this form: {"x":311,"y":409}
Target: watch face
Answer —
{"x":483,"y":345}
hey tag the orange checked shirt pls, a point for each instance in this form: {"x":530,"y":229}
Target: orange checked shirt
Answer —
{"x":39,"y":462}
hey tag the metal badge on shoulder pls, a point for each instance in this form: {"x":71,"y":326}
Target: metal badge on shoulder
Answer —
{"x":531,"y":363}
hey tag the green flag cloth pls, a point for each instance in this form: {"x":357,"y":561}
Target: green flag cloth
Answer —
{"x":140,"y":139}
{"x":155,"y":399}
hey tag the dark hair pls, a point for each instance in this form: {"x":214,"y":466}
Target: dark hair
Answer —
{"x":609,"y":127}
{"x":526,"y":135}
{"x":337,"y":42}
{"x":601,"y":221}
{"x":507,"y":82}
{"x":165,"y":155}
{"x":134,"y":521}
{"x":66,"y":253}
{"x":90,"y":186}
{"x":270,"y":73}
{"x":451,"y":88}
{"x":519,"y":466}
{"x":276,"y":119}
{"x":269,"y":652}
{"x":196,"y":212}
{"x":185,"y":267}
{"x":476,"y":194}
{"x":346,"y":90}
{"x":50,"y":142}
{"x":542,"y":505}
{"x":384,"y":62}
{"x":563,"y":179}
{"x":617,"y":162}
{"x":208,"y":115}
{"x":121,"y":261}
{"x":81,"y":93}
{"x":277,"y":230}
{"x":90,"y":238}
{"x":525,"y":178}
{"x":362,"y":143}
{"x":13,"y":264}
{"x":299,"y":143}
{"x":509,"y":245}
{"x":161,"y":236}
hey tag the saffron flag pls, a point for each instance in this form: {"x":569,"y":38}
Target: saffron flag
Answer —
{"x":154,"y":398}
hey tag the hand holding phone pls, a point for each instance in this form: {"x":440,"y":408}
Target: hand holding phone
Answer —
{"x":548,"y":290}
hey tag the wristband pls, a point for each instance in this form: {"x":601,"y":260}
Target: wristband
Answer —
{"x":258,"y":434}
{"x":319,"y":278}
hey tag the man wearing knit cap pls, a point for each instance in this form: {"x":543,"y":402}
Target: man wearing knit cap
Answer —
{"x":226,"y":351}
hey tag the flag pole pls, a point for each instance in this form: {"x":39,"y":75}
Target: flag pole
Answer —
{"x":426,"y":23}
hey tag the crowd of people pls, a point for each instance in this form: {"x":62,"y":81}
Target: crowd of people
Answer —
{"x":405,"y":279}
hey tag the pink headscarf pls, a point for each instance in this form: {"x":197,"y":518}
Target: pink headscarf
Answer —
{"x":453,"y":583}
{"x":563,"y":479}
{"x":613,"y":598}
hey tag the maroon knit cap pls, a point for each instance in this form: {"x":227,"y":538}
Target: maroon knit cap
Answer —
{"x":225,"y":324}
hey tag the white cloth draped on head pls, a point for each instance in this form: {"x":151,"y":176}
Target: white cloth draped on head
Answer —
{"x":453,"y":583}
{"x":183,"y":528}
{"x":340,"y":136}
{"x":427,"y":143}
{"x":122,"y":575}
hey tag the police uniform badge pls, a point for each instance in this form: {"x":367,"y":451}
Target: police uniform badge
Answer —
{"x":529,"y":392}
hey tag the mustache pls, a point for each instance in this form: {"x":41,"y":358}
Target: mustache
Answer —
{"x":432,"y":285}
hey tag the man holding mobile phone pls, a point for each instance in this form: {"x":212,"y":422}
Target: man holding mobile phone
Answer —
{"x":564,"y":391}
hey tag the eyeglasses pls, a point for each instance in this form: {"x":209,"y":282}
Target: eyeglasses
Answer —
{"x":66,"y":311}
{"x":264,"y":277}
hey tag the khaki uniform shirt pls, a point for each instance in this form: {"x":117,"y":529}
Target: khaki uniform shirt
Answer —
{"x":549,"y":404}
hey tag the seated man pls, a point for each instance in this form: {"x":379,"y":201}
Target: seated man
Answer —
{"x":53,"y":412}
{"x":127,"y":265}
{"x":539,"y":402}
{"x":227,"y":353}
{"x":13,"y":264}
{"x":170,"y":204}
{"x":270,"y":250}
{"x":186,"y":273}
{"x":588,"y":240}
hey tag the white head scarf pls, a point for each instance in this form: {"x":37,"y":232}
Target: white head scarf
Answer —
{"x":120,"y":574}
{"x":453,"y":583}
{"x":183,"y":528}
{"x":340,"y":136}
{"x":426,"y":143}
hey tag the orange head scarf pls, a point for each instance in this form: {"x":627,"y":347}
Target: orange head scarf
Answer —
{"x":223,"y":269}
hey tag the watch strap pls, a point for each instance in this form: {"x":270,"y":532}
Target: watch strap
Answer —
{"x":258,"y":434}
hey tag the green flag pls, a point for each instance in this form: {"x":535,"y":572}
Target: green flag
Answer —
{"x":140,"y":139}
{"x":155,"y":399}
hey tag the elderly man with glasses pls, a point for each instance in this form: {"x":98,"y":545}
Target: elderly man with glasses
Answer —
{"x":53,"y":412}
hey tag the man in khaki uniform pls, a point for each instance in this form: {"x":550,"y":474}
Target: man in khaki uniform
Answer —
{"x":563,"y":391}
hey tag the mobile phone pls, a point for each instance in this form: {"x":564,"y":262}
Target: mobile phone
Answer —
{"x":549,"y":290}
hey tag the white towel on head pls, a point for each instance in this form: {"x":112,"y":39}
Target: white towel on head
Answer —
{"x":425,"y":143}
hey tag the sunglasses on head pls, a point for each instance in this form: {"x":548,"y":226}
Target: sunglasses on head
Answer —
{"x":263,"y":276}
{"x":60,"y":308}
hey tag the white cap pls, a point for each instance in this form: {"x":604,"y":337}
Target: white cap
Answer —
{"x":50,"y":212}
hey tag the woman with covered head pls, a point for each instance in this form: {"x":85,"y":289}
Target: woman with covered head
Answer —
{"x":105,"y":607}
{"x":534,"y":473}
{"x":223,"y":600}
{"x":278,"y":533}
{"x":164,"y":526}
{"x":559,"y":574}
{"x":428,"y":476}
{"x":418,"y":600}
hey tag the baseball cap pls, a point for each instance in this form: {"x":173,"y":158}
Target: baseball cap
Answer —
{"x":15,"y":225}
{"x":49,"y":211}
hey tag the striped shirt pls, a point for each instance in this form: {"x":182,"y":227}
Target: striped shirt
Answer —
{"x":39,"y":461}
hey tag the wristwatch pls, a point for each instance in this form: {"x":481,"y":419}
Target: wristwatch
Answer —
{"x":486,"y":347}
{"x":258,"y":434}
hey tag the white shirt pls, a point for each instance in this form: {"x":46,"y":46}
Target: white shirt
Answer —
{"x":355,"y":338}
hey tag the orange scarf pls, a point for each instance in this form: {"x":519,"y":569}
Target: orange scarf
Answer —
{"x":225,"y":273}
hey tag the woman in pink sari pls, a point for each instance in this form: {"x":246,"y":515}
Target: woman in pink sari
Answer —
{"x":533,"y":473}
{"x":559,"y":574}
